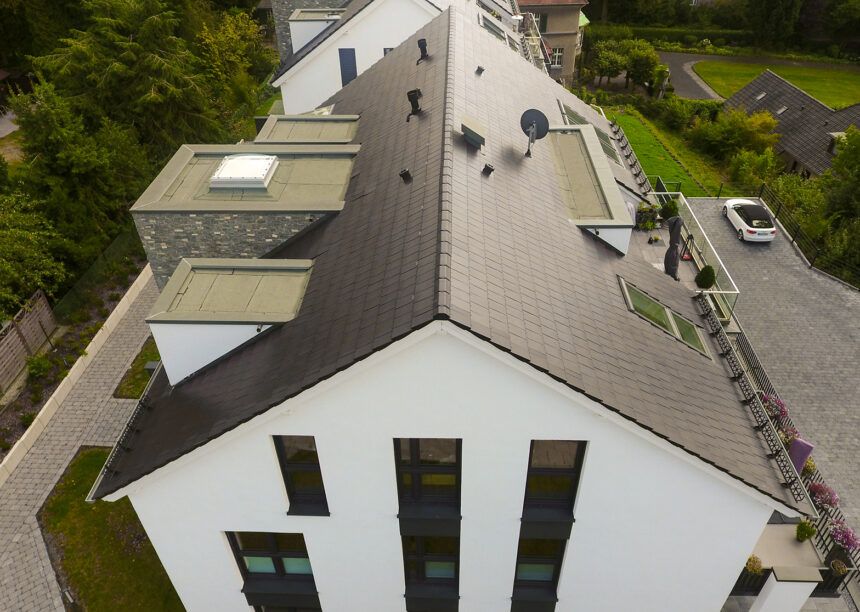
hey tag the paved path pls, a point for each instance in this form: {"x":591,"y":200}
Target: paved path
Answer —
{"x":690,"y":85}
{"x":90,"y":415}
{"x":805,"y":328}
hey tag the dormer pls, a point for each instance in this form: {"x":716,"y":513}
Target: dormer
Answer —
{"x":307,"y":23}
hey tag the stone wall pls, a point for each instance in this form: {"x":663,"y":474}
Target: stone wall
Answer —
{"x":168,"y":237}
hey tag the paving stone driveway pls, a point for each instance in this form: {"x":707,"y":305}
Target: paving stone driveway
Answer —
{"x":805,"y":328}
{"x":90,"y":415}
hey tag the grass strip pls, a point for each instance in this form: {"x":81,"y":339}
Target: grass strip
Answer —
{"x":103,"y":554}
{"x":136,"y":377}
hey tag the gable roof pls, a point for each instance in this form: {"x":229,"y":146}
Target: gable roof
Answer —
{"x":805,"y":123}
{"x":352,"y":9}
{"x":496,"y":255}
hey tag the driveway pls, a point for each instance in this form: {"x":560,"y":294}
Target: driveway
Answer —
{"x":805,"y":328}
{"x":690,"y":85}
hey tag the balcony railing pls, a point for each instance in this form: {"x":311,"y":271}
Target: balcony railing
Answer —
{"x":533,"y":45}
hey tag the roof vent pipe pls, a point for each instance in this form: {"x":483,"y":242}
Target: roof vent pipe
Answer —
{"x":422,"y":45}
{"x":413,"y":95}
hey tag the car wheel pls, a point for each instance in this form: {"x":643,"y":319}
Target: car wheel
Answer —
{"x":741,"y":235}
{"x":725,"y":211}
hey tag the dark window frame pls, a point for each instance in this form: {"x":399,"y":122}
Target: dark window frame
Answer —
{"x":542,"y":21}
{"x":415,"y":495}
{"x":272,"y":552}
{"x":312,"y":504}
{"x":574,"y":473}
{"x":556,"y":562}
{"x":420,"y":557}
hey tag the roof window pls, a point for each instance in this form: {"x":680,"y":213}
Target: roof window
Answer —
{"x":244,"y":172}
{"x":663,"y":317}
{"x":571,"y":117}
{"x":781,"y":110}
{"x":761,"y":95}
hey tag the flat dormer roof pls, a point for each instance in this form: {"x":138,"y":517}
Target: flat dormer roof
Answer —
{"x":320,"y":14}
{"x":233,"y":291}
{"x":308,"y":129}
{"x":310,"y":178}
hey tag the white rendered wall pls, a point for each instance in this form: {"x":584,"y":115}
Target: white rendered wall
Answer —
{"x":655,"y":528}
{"x":779,"y":596}
{"x":303,"y":31}
{"x":185,"y":348}
{"x":383,"y":24}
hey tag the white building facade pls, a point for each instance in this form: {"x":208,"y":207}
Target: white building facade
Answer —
{"x":655,"y":529}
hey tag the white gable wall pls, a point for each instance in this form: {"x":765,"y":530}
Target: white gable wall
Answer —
{"x":383,"y":24}
{"x":655,"y":528}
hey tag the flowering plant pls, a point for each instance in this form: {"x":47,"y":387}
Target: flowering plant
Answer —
{"x":823,"y":496}
{"x":774,"y":407}
{"x":787,"y":435}
{"x":808,"y":467}
{"x":843,"y":535}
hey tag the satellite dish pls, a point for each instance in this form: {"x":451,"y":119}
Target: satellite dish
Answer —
{"x":535,"y":125}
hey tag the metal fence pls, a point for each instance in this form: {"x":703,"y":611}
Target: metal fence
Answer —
{"x":817,"y":257}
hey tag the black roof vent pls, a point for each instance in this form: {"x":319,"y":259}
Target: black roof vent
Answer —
{"x":414,"y":95}
{"x":422,"y":45}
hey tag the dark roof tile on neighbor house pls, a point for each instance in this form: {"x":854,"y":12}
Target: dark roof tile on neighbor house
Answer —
{"x":497,"y":255}
{"x":805,"y":124}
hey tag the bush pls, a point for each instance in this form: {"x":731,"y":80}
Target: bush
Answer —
{"x":734,"y":131}
{"x":805,"y":530}
{"x":669,"y":209}
{"x":38,"y":366}
{"x":689,"y":40}
{"x":27,"y":419}
{"x":751,"y":169}
{"x":706,"y":278}
{"x":720,"y":42}
{"x":681,"y":35}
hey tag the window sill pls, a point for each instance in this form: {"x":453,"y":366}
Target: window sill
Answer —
{"x":281,"y":591}
{"x":427,"y":520}
{"x":546,"y":522}
{"x":534,"y":599}
{"x":432,"y":597}
{"x":308,"y":509}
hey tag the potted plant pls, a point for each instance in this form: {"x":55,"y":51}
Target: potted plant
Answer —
{"x":753,"y":565}
{"x":823,"y":496}
{"x":843,"y":536}
{"x":808,"y":468}
{"x":805,"y":530}
{"x":706,"y":278}
{"x":839,"y":568}
{"x":774,"y":407}
{"x":669,"y":209}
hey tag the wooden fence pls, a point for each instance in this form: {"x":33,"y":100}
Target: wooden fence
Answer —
{"x":22,"y":337}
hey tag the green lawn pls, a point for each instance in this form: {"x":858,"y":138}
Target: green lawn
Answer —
{"x":654,"y":157}
{"x":134,"y":380}
{"x":105,"y":555}
{"x":836,"y":88}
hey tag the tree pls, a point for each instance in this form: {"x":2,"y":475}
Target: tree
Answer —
{"x":642,"y":61}
{"x":27,"y":262}
{"x":843,"y":19}
{"x":773,"y":20}
{"x":129,"y":66}
{"x":734,"y":131}
{"x":608,"y":62}
{"x":841,"y":184}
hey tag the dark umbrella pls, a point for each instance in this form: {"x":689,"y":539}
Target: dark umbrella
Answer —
{"x":673,"y":253}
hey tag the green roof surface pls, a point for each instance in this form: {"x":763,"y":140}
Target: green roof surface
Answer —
{"x":296,"y":129}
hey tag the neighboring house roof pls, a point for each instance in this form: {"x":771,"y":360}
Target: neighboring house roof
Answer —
{"x":352,"y":9}
{"x":583,"y":20}
{"x":495,"y":254}
{"x":804,"y":124}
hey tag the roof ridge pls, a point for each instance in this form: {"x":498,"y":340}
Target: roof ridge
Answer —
{"x":443,"y":253}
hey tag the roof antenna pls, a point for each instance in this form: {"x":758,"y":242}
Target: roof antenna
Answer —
{"x":535,"y":125}
{"x":414,"y":95}
{"x":422,"y":44}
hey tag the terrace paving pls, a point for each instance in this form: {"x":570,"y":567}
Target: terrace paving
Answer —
{"x":89,"y":415}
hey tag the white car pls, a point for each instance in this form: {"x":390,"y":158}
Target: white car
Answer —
{"x":751,"y":220}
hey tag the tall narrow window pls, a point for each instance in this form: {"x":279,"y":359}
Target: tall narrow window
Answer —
{"x":428,"y":470}
{"x":276,"y":569}
{"x":538,"y":562}
{"x":302,"y":476}
{"x":553,"y":475}
{"x":431,"y":558}
{"x":348,"y":69}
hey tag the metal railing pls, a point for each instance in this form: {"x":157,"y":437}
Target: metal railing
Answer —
{"x":630,"y":158}
{"x":533,"y":46}
{"x":838,"y":267}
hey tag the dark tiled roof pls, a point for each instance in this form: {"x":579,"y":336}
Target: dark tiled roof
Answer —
{"x":496,"y":255}
{"x":352,"y":9}
{"x":805,"y":124}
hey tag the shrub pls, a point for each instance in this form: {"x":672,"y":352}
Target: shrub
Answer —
{"x":734,"y":131}
{"x":805,"y":530}
{"x":669,"y":209}
{"x":808,"y":468}
{"x":115,"y":296}
{"x":690,"y":40}
{"x":823,"y":496}
{"x":706,"y":278}
{"x":27,"y":419}
{"x":720,"y":42}
{"x":753,"y":565}
{"x":38,"y":366}
{"x":751,"y":169}
{"x":104,"y":312}
{"x":36,"y":395}
{"x":4,"y":444}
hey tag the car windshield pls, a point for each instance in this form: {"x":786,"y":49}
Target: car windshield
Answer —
{"x":754,"y":215}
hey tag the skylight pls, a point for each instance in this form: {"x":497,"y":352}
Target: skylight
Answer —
{"x":244,"y":171}
{"x":574,"y":118}
{"x":761,"y":95}
{"x":782,"y":110}
{"x":663,"y":317}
